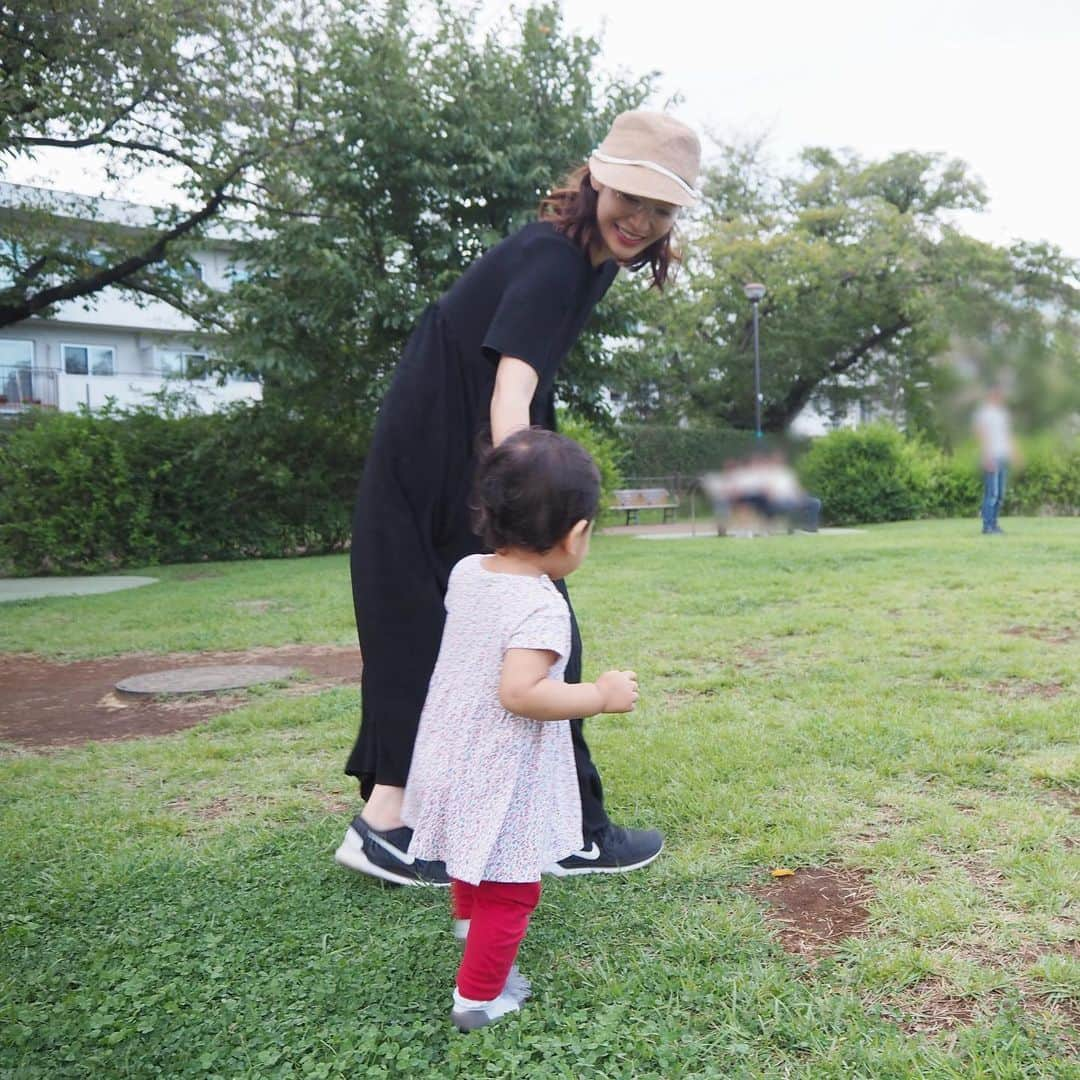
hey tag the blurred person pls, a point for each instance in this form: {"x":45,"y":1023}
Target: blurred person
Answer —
{"x":721,"y":489}
{"x":997,"y":453}
{"x":785,"y":497}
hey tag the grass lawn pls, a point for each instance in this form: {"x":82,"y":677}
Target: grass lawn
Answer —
{"x":902,"y":705}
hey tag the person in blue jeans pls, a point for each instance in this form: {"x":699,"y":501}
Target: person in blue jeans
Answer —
{"x":997,"y":452}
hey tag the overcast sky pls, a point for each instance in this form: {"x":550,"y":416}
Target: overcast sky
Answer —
{"x":993,"y":82}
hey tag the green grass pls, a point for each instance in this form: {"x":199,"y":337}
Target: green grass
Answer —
{"x":904,"y":701}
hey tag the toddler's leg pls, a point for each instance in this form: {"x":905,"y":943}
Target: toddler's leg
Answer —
{"x":462,"y":897}
{"x":500,"y":917}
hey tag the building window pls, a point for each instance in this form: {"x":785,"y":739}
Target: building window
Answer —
{"x":16,"y":353}
{"x":89,"y":359}
{"x":16,"y":371}
{"x":181,"y":363}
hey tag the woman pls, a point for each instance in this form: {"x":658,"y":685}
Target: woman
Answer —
{"x":481,"y":364}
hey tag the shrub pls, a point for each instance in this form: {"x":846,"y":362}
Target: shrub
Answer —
{"x":89,"y":492}
{"x":943,"y":485}
{"x":1047,"y":480}
{"x":862,"y":476}
{"x":67,"y":500}
{"x":606,"y":450}
{"x":874,"y":474}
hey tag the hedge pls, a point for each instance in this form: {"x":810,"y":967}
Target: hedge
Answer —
{"x":874,"y":474}
{"x":90,"y":492}
{"x":683,"y":453}
{"x":607,"y":452}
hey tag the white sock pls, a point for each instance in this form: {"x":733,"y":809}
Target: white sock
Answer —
{"x":498,"y":1006}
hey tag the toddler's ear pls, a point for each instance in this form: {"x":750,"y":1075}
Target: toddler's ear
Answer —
{"x":577,"y":536}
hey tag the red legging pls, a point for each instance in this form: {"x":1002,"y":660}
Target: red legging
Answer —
{"x":499,"y":916}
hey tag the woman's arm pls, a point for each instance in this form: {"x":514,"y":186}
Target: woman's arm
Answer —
{"x":526,"y":689}
{"x":515,"y":384}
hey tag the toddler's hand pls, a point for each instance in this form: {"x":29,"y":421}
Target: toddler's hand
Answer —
{"x":618,"y":690}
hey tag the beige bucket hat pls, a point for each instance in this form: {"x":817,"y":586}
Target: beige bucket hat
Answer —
{"x":649,"y":154}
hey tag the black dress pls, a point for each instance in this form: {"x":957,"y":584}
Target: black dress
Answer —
{"x":528,"y":297}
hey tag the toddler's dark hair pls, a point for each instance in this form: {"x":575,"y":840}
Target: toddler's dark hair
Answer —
{"x":532,"y":489}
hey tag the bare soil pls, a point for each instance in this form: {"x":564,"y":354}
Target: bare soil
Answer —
{"x":816,"y":908}
{"x":1056,"y":635}
{"x":47,"y":704}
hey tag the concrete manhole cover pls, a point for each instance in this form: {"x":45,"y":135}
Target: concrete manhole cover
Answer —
{"x":204,"y":680}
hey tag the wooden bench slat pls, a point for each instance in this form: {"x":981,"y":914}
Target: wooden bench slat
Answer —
{"x":630,"y":500}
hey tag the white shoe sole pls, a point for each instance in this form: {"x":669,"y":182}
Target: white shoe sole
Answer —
{"x":555,"y":870}
{"x":351,"y":855}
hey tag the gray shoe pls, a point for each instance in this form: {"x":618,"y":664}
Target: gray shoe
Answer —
{"x":469,"y":1015}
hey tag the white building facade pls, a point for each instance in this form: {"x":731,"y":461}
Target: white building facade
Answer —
{"x":108,"y":347}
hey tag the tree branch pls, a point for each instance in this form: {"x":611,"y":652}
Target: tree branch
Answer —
{"x":114,"y":275}
{"x":200,"y":314}
{"x":780,"y":414}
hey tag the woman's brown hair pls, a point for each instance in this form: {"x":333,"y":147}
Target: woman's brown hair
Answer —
{"x":571,"y":207}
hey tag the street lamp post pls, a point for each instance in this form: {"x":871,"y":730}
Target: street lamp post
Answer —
{"x":754,"y":292}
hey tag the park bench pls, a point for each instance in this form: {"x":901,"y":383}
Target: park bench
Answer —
{"x":630,"y":501}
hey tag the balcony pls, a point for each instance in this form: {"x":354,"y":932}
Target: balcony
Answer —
{"x":27,"y":387}
{"x":23,"y":388}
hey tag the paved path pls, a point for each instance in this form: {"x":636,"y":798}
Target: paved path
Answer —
{"x":703,"y":527}
{"x":34,"y":588}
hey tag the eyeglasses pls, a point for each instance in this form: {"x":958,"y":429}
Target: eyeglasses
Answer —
{"x":660,"y":213}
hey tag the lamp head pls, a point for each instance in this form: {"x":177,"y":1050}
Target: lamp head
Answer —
{"x":754,"y":291}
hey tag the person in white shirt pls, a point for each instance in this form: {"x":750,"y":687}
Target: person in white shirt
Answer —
{"x":997,"y":451}
{"x":785,"y":496}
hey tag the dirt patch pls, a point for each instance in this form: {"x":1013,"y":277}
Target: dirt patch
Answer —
{"x":751,"y":655}
{"x":255,"y":607}
{"x":1057,"y":635}
{"x":931,"y":1007}
{"x":48,"y":704}
{"x":1024,"y":688}
{"x":885,"y":820}
{"x":216,"y":808}
{"x":816,"y":908}
{"x":1061,"y":796}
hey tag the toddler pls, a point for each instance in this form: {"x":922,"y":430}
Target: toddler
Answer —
{"x":493,"y":789}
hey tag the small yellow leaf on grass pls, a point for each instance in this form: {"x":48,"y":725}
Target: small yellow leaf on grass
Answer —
{"x":781,"y":871}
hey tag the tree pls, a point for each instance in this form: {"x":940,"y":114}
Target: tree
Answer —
{"x":867,"y":280}
{"x":436,"y":144}
{"x":202,"y":93}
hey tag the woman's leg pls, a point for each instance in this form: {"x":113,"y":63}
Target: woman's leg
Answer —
{"x":383,"y":807}
{"x":398,"y":592}
{"x":605,"y":847}
{"x":594,"y":818}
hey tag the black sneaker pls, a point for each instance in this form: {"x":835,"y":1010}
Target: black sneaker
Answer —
{"x":613,"y":850}
{"x":386,"y":855}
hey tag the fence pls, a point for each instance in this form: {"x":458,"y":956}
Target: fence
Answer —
{"x":21,"y":387}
